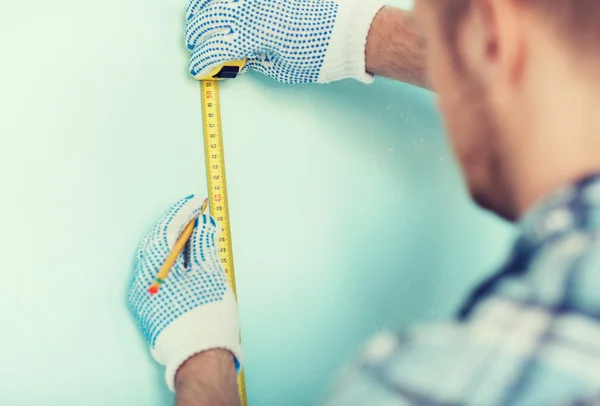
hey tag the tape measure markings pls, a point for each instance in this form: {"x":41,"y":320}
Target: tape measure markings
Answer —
{"x":214,"y":153}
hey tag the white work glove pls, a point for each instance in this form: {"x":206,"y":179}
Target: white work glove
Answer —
{"x":195,"y":309}
{"x":293,"y":41}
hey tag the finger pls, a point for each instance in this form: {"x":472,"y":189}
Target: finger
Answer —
{"x":181,"y":265}
{"x":138,"y":290}
{"x":214,"y":20}
{"x":145,"y":273}
{"x":263,"y":65}
{"x":159,"y":244}
{"x":194,"y":6}
{"x":213,"y":52}
{"x":141,"y":250}
{"x":169,"y":228}
{"x":154,"y":258}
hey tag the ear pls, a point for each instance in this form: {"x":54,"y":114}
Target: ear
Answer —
{"x":491,"y":41}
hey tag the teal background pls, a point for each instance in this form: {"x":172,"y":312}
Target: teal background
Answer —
{"x":349,"y":215}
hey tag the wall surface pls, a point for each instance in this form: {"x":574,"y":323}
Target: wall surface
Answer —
{"x":348,"y":212}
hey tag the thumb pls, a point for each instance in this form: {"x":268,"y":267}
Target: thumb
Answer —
{"x":170,"y":227}
{"x":168,"y":230}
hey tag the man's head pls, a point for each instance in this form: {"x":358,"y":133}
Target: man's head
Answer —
{"x":515,"y":80}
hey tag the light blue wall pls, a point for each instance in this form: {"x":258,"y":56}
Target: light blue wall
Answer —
{"x":348,"y":211}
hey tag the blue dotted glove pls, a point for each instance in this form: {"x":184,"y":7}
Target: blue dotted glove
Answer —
{"x":293,"y":41}
{"x":195,"y":309}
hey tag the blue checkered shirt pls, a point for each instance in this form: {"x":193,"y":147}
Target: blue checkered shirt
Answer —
{"x":530,"y":335}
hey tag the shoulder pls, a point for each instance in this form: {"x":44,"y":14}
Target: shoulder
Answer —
{"x":432,"y":365}
{"x":534,"y":339}
{"x":559,"y":274}
{"x":583,"y":285}
{"x":566,"y":274}
{"x":504,"y":355}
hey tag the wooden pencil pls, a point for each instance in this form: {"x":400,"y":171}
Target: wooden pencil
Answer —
{"x":175,"y":252}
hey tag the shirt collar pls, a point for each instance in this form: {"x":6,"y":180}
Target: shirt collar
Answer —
{"x":571,"y":207}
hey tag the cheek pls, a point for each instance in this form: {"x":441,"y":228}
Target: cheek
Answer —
{"x":457,"y":103}
{"x":450,"y":106}
{"x":434,"y":69}
{"x":453,"y":123}
{"x":462,"y":121}
{"x":450,"y":98}
{"x":439,"y":63}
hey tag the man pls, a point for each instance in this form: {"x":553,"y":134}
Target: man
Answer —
{"x":519,"y":86}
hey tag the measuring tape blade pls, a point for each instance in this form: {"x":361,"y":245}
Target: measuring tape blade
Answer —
{"x":217,"y":187}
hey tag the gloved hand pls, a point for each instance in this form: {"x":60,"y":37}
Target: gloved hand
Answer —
{"x":195,"y":309}
{"x":293,"y":41}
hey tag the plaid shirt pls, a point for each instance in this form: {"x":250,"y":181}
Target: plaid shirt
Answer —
{"x":530,"y":335}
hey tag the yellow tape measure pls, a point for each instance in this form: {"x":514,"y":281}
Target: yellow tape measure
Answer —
{"x":215,"y":174}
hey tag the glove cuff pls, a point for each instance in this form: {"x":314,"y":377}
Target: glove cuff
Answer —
{"x":345,"y":56}
{"x":208,"y":327}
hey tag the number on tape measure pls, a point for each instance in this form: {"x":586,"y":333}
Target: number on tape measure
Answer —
{"x":217,"y":187}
